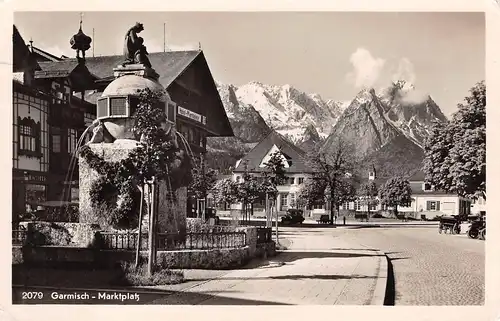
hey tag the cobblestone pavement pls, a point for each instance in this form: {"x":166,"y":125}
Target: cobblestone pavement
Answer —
{"x":319,"y":268}
{"x":430,"y":268}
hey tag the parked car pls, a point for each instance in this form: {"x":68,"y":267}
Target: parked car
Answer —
{"x":212,"y":213}
{"x":293,"y":216}
{"x":477,"y":228}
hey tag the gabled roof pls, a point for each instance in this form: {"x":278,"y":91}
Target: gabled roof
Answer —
{"x":417,"y":177}
{"x":56,"y":69}
{"x":44,"y":55}
{"x":168,"y":64}
{"x":254,"y":157}
{"x":21,"y":55}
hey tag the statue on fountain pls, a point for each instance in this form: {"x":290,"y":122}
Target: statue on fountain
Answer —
{"x":134,"y":49}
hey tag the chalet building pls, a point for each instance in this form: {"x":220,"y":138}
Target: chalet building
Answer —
{"x":431,"y":203}
{"x":254,"y":162}
{"x":47,"y":120}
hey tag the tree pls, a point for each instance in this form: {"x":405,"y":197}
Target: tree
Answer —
{"x":248,"y":191}
{"x":274,"y":174}
{"x":333,"y":169}
{"x":225,"y":192}
{"x":395,"y":192}
{"x":455,"y":154}
{"x":368,"y":193}
{"x":312,"y":191}
{"x":203,"y":178}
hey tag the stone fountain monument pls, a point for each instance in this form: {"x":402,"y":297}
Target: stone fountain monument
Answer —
{"x":113,"y":137}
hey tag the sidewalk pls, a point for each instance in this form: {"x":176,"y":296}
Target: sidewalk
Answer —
{"x":319,"y":268}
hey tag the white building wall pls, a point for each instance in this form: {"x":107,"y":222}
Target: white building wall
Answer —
{"x":478,"y":206}
{"x":288,"y":188}
{"x":448,"y":205}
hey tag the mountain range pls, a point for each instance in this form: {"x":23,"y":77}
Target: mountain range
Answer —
{"x":388,"y":125}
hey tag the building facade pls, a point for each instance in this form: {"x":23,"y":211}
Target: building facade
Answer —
{"x":254,"y":163}
{"x":48,"y":119}
{"x":429,"y":203}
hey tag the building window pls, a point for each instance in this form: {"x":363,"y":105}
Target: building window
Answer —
{"x":202,"y":139}
{"x":433,"y":205}
{"x":317,"y":206}
{"x":373,"y":207}
{"x":29,"y":136}
{"x":56,"y":140}
{"x":427,"y":187}
{"x":72,"y":140}
{"x":171,"y":112}
{"x":301,"y":180}
{"x":283,"y":201}
{"x":357,"y":205}
{"x":292,"y":200}
{"x":35,"y":194}
{"x":292,"y":180}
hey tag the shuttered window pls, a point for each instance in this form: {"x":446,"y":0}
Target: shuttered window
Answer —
{"x":433,"y":205}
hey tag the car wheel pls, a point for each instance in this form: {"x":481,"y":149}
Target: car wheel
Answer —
{"x":473,"y":233}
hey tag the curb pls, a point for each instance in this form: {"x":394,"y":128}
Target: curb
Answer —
{"x":378,"y":297}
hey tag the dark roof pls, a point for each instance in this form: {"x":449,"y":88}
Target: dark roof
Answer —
{"x":21,"y":54}
{"x":56,"y":69}
{"x":168,"y":64}
{"x":44,"y":55}
{"x":417,"y":189}
{"x":417,"y":177}
{"x":254,"y":157}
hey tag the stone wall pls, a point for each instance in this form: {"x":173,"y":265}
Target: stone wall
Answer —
{"x":56,"y":256}
{"x":251,"y":237}
{"x":111,"y":152}
{"x":171,"y":210}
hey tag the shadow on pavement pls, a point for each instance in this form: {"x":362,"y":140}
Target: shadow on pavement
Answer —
{"x":321,"y":277}
{"x":290,"y":256}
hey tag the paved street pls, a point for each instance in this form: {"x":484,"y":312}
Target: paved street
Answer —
{"x":320,"y":268}
{"x":429,"y":268}
{"x":332,"y":266}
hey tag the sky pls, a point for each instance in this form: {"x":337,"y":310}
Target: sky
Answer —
{"x":334,"y":54}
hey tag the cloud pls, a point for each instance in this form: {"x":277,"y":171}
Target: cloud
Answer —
{"x":369,"y":71}
{"x":367,"y":68}
{"x":404,"y":71}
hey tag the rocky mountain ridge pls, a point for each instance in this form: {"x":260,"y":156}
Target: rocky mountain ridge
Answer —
{"x":397,"y":114}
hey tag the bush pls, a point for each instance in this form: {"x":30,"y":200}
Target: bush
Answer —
{"x":139,"y":277}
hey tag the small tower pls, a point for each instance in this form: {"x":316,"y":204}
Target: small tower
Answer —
{"x":80,"y":42}
{"x":372,"y":174}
